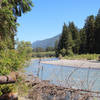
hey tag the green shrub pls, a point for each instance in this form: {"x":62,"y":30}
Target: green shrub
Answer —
{"x":70,"y":53}
{"x":63,"y":52}
{"x":12,"y":60}
{"x":60,"y":56}
{"x":6,"y":88}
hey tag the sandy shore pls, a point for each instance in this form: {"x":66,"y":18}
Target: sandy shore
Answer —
{"x":75,"y":63}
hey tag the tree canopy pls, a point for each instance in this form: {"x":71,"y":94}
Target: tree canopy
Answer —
{"x":78,"y":41}
{"x":9,"y":11}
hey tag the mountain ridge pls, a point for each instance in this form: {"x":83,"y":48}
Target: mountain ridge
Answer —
{"x":50,"y":42}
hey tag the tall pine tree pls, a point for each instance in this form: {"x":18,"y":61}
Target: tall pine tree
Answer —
{"x":89,"y":31}
{"x":65,"y":43}
{"x":75,"y":36}
{"x":82,"y":41}
{"x":97,"y":33}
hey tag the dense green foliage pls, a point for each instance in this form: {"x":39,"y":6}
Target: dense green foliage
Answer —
{"x":97,"y":33}
{"x":9,"y":61}
{"x":9,"y":11}
{"x":89,"y":32}
{"x":12,"y":59}
{"x":24,"y":49}
{"x":7,"y":24}
{"x":82,"y":41}
{"x":75,"y":37}
{"x":65,"y":43}
{"x":79,"y":41}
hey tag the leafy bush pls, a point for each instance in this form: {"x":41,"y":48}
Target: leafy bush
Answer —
{"x":6,"y":88}
{"x":60,"y":56}
{"x":13,"y":60}
{"x":10,"y":60}
{"x":24,"y":49}
{"x":70,"y":52}
{"x":63,"y":52}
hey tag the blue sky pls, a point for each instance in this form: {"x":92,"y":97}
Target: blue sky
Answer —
{"x":48,"y":16}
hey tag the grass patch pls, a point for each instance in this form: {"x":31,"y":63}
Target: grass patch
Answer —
{"x":83,"y":56}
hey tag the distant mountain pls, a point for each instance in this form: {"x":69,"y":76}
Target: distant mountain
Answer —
{"x":50,"y":42}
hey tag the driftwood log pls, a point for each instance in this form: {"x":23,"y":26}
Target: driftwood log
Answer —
{"x":11,"y":78}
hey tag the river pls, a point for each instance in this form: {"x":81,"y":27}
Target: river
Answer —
{"x":82,"y":78}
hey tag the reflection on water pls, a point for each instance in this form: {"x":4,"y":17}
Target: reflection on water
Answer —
{"x":66,"y":76}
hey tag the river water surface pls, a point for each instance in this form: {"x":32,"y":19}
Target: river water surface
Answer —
{"x":82,"y":78}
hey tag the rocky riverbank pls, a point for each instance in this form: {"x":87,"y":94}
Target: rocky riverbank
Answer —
{"x":44,"y":90}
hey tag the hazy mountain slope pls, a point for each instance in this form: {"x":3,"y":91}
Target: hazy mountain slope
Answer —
{"x":46,"y":43}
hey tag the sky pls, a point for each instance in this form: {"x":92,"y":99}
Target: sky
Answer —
{"x":47,"y":17}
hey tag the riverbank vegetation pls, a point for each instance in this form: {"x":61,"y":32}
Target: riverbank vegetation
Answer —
{"x":43,"y":54}
{"x":74,"y":41}
{"x":12,"y":56}
{"x":83,"y":57}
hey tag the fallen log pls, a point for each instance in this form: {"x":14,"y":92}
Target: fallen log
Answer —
{"x":82,"y":90}
{"x":11,"y":78}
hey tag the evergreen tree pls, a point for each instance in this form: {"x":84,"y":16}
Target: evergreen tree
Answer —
{"x":97,"y":33}
{"x":65,"y":42}
{"x":82,"y":41}
{"x":75,"y":36}
{"x":69,"y":44}
{"x":89,"y":31}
